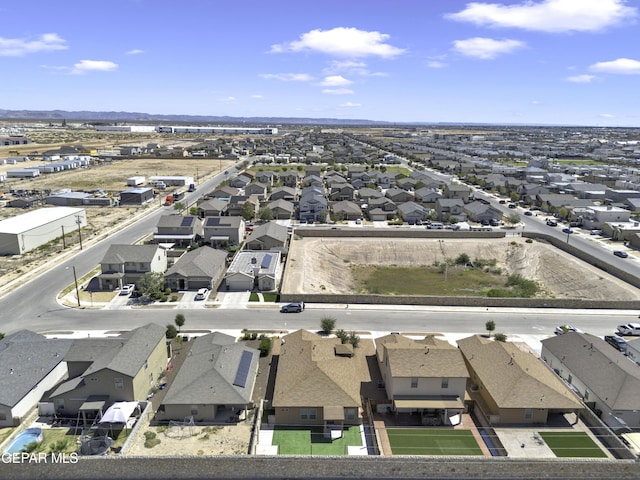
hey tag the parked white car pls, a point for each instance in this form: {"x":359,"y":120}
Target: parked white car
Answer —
{"x":202,"y":294}
{"x":127,"y":289}
{"x":629,"y":329}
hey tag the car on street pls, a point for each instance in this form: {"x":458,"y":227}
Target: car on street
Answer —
{"x":616,"y":342}
{"x":628,"y":329}
{"x":552,"y":223}
{"x":595,"y":232}
{"x":567,"y":230}
{"x":295,"y":307}
{"x":127,"y":289}
{"x":620,"y":253}
{"x":528,"y":213}
{"x":512,"y":205}
{"x":560,"y":329}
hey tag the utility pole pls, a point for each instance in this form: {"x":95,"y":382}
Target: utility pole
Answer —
{"x":75,"y":279}
{"x":79,"y":222}
{"x":63,"y":244}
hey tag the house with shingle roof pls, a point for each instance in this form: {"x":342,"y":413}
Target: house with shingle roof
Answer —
{"x":268,"y":236}
{"x":31,"y":365}
{"x":318,"y":381}
{"x":203,"y":267}
{"x":282,"y":209}
{"x":106,"y":370}
{"x":510,"y":386}
{"x":178,"y":229}
{"x":216,"y":379}
{"x":426,"y":376}
{"x":123,"y":264}
{"x":605,"y":380}
{"x":223,"y":230}
{"x":346,"y":210}
{"x":214,"y":207}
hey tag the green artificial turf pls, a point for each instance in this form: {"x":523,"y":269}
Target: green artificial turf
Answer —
{"x":572,"y":444}
{"x":422,"y":441}
{"x":311,"y":441}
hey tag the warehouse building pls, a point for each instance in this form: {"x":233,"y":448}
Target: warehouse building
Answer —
{"x":25,"y":232}
{"x":136,"y":196}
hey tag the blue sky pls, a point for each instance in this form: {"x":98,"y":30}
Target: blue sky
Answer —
{"x":572,"y":62}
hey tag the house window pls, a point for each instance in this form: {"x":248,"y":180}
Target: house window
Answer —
{"x":444,"y":383}
{"x":146,"y":364}
{"x":350,"y":413}
{"x":586,"y":394}
{"x":528,"y":413}
{"x":118,"y":383}
{"x":194,"y":409}
{"x":414,"y":382}
{"x":151,"y":377}
{"x":2,"y":417}
{"x":308,"y":414}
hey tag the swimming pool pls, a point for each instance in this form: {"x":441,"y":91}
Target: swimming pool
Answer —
{"x":25,"y":438}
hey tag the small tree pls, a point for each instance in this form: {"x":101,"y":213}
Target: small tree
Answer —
{"x":342,"y":335}
{"x":248,"y":210}
{"x":179,"y":206}
{"x":151,"y":285}
{"x":265,"y":346}
{"x":193,"y":211}
{"x":265,"y":214}
{"x":490,"y":326}
{"x":500,"y":337}
{"x":1,"y":335}
{"x":171,"y":332}
{"x":354,"y":339}
{"x":179,"y":321}
{"x":327,"y":324}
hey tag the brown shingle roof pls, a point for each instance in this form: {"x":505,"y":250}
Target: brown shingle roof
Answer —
{"x":310,"y":374}
{"x":429,"y":357}
{"x":514,"y":378}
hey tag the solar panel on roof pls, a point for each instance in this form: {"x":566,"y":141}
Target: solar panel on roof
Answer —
{"x":186,"y":221}
{"x":266,"y":261}
{"x":243,"y":369}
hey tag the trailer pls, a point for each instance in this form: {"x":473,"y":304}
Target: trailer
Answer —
{"x":135,"y":181}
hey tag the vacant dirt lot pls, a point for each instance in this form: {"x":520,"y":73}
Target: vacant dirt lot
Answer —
{"x":323,"y":265}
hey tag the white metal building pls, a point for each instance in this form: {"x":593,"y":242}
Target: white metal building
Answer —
{"x":25,"y":232}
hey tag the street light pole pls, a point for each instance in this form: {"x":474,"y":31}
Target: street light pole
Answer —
{"x":79,"y":222}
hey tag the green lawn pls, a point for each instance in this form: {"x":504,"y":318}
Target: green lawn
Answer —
{"x":572,"y":444}
{"x":422,"y":441}
{"x":311,"y":441}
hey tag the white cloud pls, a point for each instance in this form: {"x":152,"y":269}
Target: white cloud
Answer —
{"x":337,"y":91}
{"x":257,"y":96}
{"x":135,"y":51}
{"x":436,"y":64}
{"x":287,"y":77}
{"x":228,"y":99}
{"x":335,"y":81}
{"x":17,"y":47}
{"x":580,"y":78}
{"x":548,"y":15}
{"x":622,"y":66}
{"x":342,"y":42}
{"x":351,"y":67}
{"x":86,"y":66}
{"x":606,"y":115}
{"x":486,"y":48}
{"x":350,"y":105}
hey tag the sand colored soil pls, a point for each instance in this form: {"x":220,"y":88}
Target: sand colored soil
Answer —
{"x":323,"y":264}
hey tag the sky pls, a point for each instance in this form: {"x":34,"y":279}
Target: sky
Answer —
{"x":562,"y":62}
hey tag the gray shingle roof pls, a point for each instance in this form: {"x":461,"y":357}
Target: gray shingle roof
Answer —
{"x":208,"y":373}
{"x":129,"y":253}
{"x":602,"y":369}
{"x":201,"y":262}
{"x":26,"y":358}
{"x":125,"y":354}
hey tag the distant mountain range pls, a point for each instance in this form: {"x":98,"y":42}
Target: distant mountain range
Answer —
{"x":136,"y":117}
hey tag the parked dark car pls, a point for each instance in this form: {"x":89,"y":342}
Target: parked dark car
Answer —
{"x":528,"y":213}
{"x":567,"y":230}
{"x":512,"y":205}
{"x":616,"y":342}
